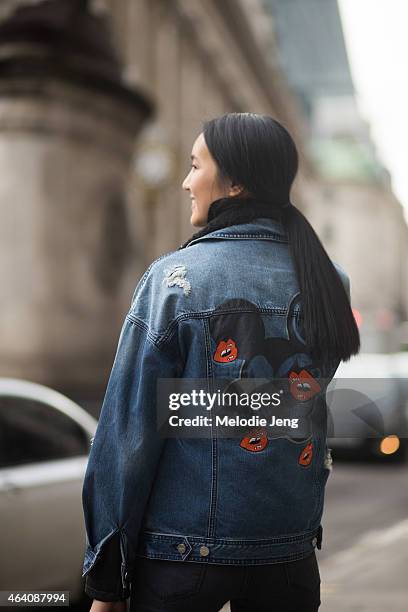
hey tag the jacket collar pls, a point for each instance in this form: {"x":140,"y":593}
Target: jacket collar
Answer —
{"x":262,"y":228}
{"x":244,"y":218}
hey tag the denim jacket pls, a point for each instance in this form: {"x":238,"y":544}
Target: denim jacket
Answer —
{"x":227,"y":305}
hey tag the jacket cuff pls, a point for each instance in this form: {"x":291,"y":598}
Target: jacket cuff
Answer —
{"x":104,"y":580}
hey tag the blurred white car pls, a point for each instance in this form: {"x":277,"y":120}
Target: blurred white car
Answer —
{"x":45,"y":439}
{"x":368,"y":406}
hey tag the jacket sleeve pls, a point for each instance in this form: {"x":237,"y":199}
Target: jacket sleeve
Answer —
{"x":104,"y":581}
{"x":125,"y":453}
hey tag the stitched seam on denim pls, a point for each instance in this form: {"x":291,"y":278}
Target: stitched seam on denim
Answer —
{"x":301,"y":537}
{"x":213,"y":491}
{"x":214,"y":443}
{"x":138,"y":322}
{"x":208,"y":365}
{"x":244,"y":562}
{"x":264,"y":561}
{"x":153,"y":338}
{"x":142,"y":325}
{"x":209,"y":313}
{"x":170,"y":332}
{"x":271,"y":237}
{"x":217,"y":543}
{"x":159,"y":339}
{"x":250,"y":236}
{"x":241,"y":562}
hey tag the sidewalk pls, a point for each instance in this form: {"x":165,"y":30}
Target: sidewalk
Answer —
{"x":371,"y":576}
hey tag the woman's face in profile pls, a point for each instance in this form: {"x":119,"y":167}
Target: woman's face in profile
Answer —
{"x":202,"y":182}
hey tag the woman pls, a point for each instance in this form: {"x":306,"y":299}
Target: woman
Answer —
{"x":186,"y":522}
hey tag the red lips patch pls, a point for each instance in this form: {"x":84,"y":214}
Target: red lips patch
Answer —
{"x":226,"y":351}
{"x":255,"y":442}
{"x":302,"y":385}
{"x":306,"y":455}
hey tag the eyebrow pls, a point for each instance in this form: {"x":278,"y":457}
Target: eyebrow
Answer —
{"x":194,"y":157}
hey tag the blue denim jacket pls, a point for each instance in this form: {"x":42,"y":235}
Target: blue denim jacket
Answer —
{"x":206,"y":311}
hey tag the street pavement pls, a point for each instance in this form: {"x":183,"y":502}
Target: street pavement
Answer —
{"x":371,"y":575}
{"x":364,"y":558}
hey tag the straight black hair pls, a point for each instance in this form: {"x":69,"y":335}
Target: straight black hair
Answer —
{"x":257,"y":153}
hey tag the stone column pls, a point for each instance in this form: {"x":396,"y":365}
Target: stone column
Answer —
{"x":67,"y":133}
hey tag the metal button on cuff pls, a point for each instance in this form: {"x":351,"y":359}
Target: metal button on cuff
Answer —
{"x":181,"y":548}
{"x":314,"y":541}
{"x":204,"y":551}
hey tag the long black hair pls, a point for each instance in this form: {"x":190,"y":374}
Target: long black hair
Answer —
{"x":258,"y":153}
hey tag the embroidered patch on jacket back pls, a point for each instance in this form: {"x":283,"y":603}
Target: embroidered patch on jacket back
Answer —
{"x":226,"y":351}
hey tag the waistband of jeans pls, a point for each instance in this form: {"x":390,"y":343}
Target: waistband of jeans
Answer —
{"x":228,"y":551}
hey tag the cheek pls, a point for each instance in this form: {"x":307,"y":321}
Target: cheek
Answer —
{"x":195,"y":181}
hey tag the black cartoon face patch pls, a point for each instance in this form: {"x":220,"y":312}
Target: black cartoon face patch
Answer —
{"x":238,"y":331}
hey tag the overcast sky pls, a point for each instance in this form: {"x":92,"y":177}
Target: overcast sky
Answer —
{"x":376,"y":33}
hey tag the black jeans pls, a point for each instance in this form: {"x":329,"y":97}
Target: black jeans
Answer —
{"x":182,"y":586}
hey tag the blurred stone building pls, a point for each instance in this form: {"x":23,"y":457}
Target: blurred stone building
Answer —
{"x":356,"y":215}
{"x":100,"y":102}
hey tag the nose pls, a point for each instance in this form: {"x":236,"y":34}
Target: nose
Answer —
{"x":185,"y":184}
